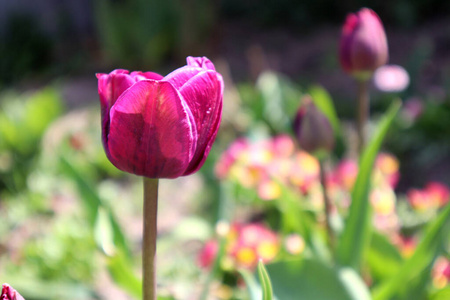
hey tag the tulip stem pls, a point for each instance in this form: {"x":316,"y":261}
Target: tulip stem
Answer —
{"x":149,"y":240}
{"x":363,"y":113}
{"x":328,"y":205}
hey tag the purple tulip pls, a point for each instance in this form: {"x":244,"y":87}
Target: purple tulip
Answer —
{"x":363,"y":45}
{"x":8,"y":293}
{"x":161,"y":127}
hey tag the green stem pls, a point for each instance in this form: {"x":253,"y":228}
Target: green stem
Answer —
{"x":328,"y":206}
{"x":149,"y":240}
{"x":363,"y":113}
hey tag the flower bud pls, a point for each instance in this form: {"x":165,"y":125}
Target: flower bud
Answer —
{"x":312,"y":128}
{"x":8,"y":293}
{"x":363,"y":46}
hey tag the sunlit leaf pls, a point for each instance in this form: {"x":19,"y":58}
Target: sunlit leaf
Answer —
{"x":357,"y":228}
{"x":93,"y":203}
{"x":253,"y":288}
{"x":267,"y":293}
{"x":312,"y":279}
{"x":419,"y":261}
{"x":443,"y":294}
{"x":122,"y":273}
{"x":322,"y":99}
{"x":383,"y":258}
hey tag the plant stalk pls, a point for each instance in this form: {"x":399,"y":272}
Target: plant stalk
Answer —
{"x":149,"y":240}
{"x":328,"y":206}
{"x":363,"y":113}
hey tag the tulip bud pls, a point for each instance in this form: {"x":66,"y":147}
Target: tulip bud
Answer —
{"x":8,"y":293}
{"x":363,"y":45}
{"x":312,"y":128}
{"x":161,"y":127}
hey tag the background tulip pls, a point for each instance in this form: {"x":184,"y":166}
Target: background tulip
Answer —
{"x":312,"y":128}
{"x":161,"y":127}
{"x":363,"y":45}
{"x":8,"y":293}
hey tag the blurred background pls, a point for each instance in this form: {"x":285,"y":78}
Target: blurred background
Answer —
{"x":67,"y":42}
{"x":50,"y":51}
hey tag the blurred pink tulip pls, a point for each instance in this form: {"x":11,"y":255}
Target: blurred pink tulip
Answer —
{"x":208,"y":254}
{"x":161,"y":127}
{"x":8,"y":293}
{"x":363,"y":45}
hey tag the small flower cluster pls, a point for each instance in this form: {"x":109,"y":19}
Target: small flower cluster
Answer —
{"x":441,"y":272}
{"x":434,"y":196}
{"x":382,"y":196}
{"x":265,"y":164}
{"x":245,"y":244}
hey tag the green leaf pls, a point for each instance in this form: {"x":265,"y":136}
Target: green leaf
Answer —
{"x":109,"y":235}
{"x":267,"y":293}
{"x":280,"y":99}
{"x":104,"y":233}
{"x":312,"y":279}
{"x":383,"y":258}
{"x":166,"y":298}
{"x":324,"y":102}
{"x":443,"y":294}
{"x":297,"y":219}
{"x":33,"y":288}
{"x":357,"y":228}
{"x":419,"y":261}
{"x":254,"y":289}
{"x":122,"y":273}
{"x":93,"y":204}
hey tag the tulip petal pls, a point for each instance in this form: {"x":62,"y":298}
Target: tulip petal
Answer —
{"x":151,"y":131}
{"x":110,"y":87}
{"x":369,"y":45}
{"x":137,"y":75}
{"x":201,"y":62}
{"x":203,"y":94}
{"x":194,"y":66}
{"x":180,"y":76}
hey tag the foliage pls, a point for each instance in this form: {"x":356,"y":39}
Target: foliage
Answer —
{"x":63,"y":204}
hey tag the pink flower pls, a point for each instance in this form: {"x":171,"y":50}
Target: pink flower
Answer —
{"x":252,"y":242}
{"x":420,"y":200}
{"x":8,"y":293}
{"x":229,"y":157}
{"x":406,"y":244}
{"x":388,"y":167}
{"x":245,"y":245}
{"x":439,"y":193}
{"x":441,"y":272}
{"x":363,"y":45}
{"x":208,"y":254}
{"x":433,"y":196}
{"x":346,"y":173}
{"x":161,"y":127}
{"x":391,"y":78}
